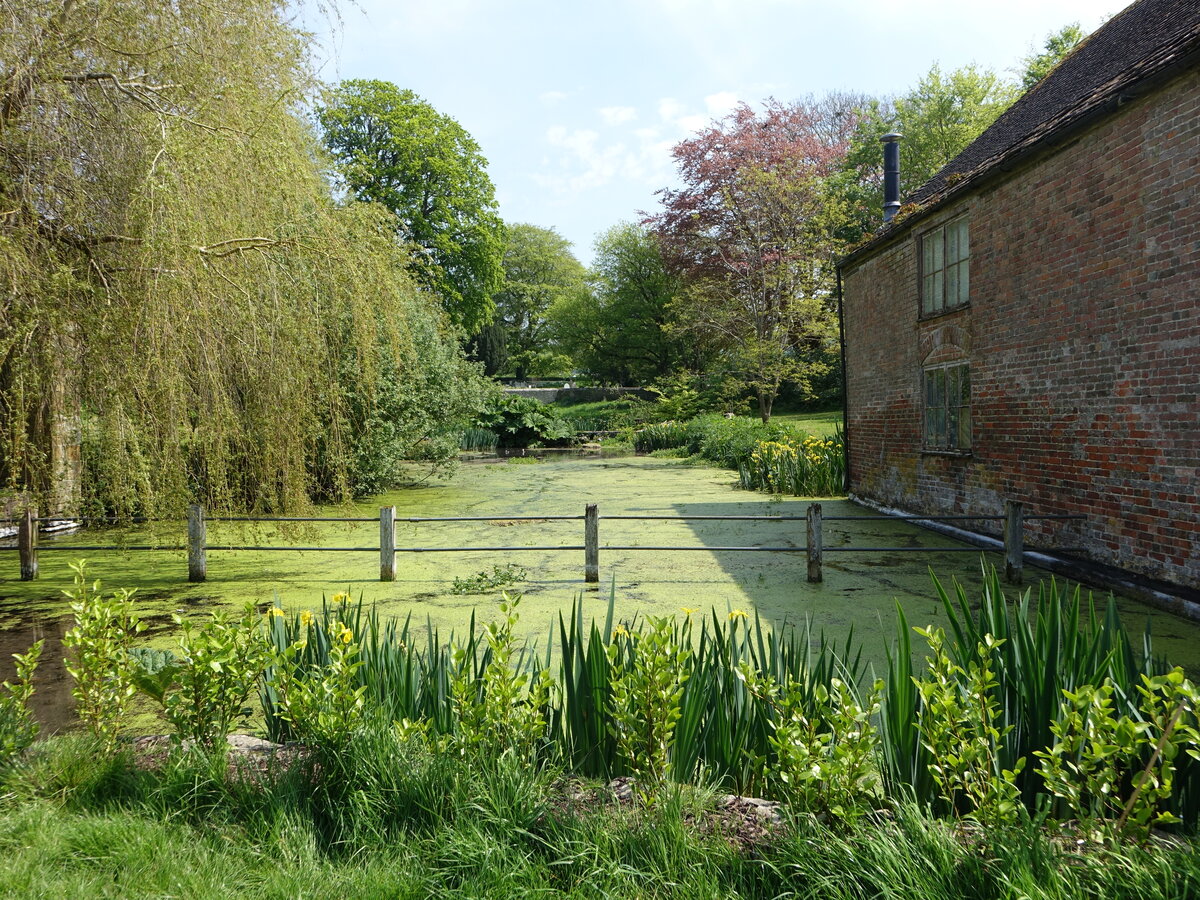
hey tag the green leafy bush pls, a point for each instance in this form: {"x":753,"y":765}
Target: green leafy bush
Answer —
{"x":1107,"y":766}
{"x":204,"y":686}
{"x":18,"y":729}
{"x":100,"y":660}
{"x":523,"y":422}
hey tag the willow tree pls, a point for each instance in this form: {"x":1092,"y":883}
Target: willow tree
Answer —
{"x":180,"y":299}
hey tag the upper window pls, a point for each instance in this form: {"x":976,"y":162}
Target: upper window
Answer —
{"x":948,"y":407}
{"x":945,"y":268}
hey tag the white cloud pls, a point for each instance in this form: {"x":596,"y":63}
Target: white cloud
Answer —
{"x":550,"y":98}
{"x":720,"y":103}
{"x":617,"y":115}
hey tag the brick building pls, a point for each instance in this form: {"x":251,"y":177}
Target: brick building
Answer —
{"x":1027,"y":327}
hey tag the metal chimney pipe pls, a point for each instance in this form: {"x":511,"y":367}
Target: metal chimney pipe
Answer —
{"x":891,"y":174}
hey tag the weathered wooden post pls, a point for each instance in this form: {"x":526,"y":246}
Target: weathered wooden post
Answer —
{"x":591,"y":543}
{"x":814,"y":542}
{"x":27,"y":544}
{"x":1014,"y":540}
{"x":387,"y":543}
{"x":197,"y":555}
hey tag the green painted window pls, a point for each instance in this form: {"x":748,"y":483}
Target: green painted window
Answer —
{"x":945,"y":268}
{"x":948,"y":407}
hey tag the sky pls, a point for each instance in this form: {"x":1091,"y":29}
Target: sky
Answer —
{"x":576,"y":105}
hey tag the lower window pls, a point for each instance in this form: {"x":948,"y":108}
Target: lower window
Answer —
{"x":948,"y":407}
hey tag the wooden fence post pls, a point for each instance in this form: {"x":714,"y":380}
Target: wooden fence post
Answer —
{"x":387,"y":543}
{"x":1014,"y":540}
{"x":814,"y":542}
{"x":27,"y":544}
{"x":197,"y":555}
{"x":591,"y":543}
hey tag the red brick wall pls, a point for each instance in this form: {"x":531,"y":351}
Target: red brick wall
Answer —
{"x":1083,"y":337}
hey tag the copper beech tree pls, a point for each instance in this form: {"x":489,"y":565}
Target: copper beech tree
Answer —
{"x":753,"y":235}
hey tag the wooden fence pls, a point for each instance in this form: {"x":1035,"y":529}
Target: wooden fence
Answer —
{"x":198,"y":547}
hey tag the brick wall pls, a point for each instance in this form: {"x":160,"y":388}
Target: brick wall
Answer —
{"x":1083,"y":338}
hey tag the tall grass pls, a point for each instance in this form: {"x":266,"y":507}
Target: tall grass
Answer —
{"x":723,"y":731}
{"x":479,"y":439}
{"x":1058,"y":643}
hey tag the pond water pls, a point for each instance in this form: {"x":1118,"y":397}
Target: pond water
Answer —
{"x":859,"y":591}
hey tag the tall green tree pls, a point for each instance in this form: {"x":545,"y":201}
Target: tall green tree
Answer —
{"x":1055,"y":48}
{"x":539,"y":272}
{"x":393,"y":148}
{"x":938,"y":119}
{"x":181,"y":330}
{"x":621,"y":331}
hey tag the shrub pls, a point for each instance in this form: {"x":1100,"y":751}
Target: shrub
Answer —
{"x":18,"y":729}
{"x":100,"y":662}
{"x":204,"y":687}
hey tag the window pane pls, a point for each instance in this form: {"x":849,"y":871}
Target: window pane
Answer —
{"x":935,"y":388}
{"x":927,"y":294}
{"x":939,"y":428}
{"x":952,"y":426}
{"x":927,"y":254}
{"x":964,"y":277}
{"x":952,"y":286}
{"x":952,"y":243}
{"x":964,"y":380}
{"x":937,"y":299}
{"x":935,"y":240}
{"x":964,"y":240}
{"x":964,"y":428}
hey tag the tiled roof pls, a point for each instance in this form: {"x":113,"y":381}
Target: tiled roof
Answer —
{"x":1148,"y":38}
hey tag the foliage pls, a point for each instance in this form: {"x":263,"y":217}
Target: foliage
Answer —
{"x":958,"y":726}
{"x":1055,"y":49}
{"x":540,"y":272}
{"x":620,"y":331}
{"x":754,"y":233}
{"x":395,"y":149}
{"x":814,"y":467}
{"x":484,"y":582}
{"x":938,"y":119}
{"x":824,"y":743}
{"x":209,"y":336}
{"x":1035,"y":653}
{"x":1099,"y":763}
{"x":204,"y":687}
{"x":323,"y":704}
{"x":502,"y":710}
{"x":651,"y":666}
{"x":18,"y":728}
{"x":773,"y":457}
{"x":524,"y":422}
{"x":100,"y":663}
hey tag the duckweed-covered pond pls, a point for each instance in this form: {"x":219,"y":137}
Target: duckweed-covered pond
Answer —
{"x":860,"y":590}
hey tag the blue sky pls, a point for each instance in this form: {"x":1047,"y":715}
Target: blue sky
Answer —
{"x":576,"y":105}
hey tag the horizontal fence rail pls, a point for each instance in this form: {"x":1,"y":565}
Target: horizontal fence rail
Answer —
{"x":197,"y":545}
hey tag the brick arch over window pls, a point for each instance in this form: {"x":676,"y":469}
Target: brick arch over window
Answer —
{"x":944,"y":344}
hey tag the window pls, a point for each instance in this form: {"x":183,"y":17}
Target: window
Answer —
{"x":945,"y":268}
{"x":948,"y":408}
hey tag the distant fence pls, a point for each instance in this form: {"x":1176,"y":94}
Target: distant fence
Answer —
{"x":1013,"y":520}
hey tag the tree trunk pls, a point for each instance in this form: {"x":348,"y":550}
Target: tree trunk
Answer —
{"x":765,"y":401}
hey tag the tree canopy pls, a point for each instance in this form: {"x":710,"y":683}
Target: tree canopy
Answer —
{"x":393,"y":148}
{"x":1054,"y":50}
{"x":196,"y":333}
{"x":539,"y":272}
{"x":620,"y":332}
{"x":753,"y":233}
